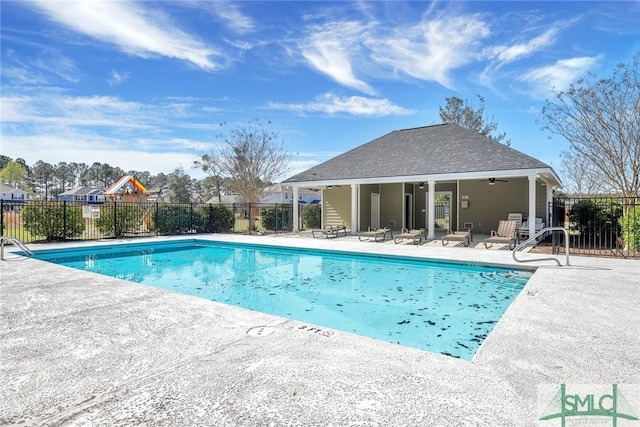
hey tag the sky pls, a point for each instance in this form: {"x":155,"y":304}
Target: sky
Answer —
{"x":146,"y":85}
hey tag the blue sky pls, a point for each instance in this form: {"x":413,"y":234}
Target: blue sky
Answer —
{"x":145,"y":85}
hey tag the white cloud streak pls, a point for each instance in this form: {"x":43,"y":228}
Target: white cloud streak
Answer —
{"x":559,"y":75}
{"x":428,"y":51}
{"x":134,"y":30}
{"x":117,"y":77}
{"x":81,"y":148}
{"x":507,"y":54}
{"x":352,"y":105}
{"x":232,"y":16}
{"x":431,"y":50}
{"x":331,"y":48}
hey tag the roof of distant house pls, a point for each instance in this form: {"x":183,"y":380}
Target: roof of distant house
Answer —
{"x":83,"y":190}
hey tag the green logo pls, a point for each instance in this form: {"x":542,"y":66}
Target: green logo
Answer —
{"x":565,"y":405}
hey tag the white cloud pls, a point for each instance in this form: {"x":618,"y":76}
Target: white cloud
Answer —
{"x":134,"y":30}
{"x":162,"y":157}
{"x":560,"y":75}
{"x":232,"y":16}
{"x":39,"y":70}
{"x":117,"y":77}
{"x":507,"y":54}
{"x":353,"y":105}
{"x":331,"y":48}
{"x":59,"y":111}
{"x":432,"y":49}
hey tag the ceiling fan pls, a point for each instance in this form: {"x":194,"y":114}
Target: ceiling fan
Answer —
{"x":492,"y":181}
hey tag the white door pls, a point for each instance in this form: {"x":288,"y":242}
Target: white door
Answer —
{"x":375,"y":210}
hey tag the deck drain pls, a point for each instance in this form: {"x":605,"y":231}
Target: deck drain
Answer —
{"x":260,"y":331}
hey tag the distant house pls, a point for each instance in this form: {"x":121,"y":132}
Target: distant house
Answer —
{"x":89,"y":195}
{"x":226,"y":199}
{"x":279,"y":193}
{"x":198,"y":199}
{"x":14,"y":196}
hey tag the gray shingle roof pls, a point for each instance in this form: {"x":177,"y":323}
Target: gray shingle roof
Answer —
{"x":430,"y":150}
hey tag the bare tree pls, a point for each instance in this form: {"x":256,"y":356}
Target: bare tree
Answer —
{"x":600,"y":119}
{"x":251,"y":158}
{"x":581,"y":177}
{"x":466,"y":115}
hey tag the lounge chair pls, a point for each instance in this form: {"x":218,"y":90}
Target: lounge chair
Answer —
{"x":506,"y":234}
{"x":457,"y":236}
{"x":415,"y":235}
{"x":330,"y":231}
{"x":375,"y":233}
{"x":523,"y":232}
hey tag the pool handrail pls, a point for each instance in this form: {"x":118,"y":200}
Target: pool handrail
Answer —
{"x":18,"y":243}
{"x":533,"y":239}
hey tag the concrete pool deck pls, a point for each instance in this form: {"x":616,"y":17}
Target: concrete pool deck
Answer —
{"x":78,"y":348}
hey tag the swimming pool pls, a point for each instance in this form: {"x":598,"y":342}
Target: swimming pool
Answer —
{"x":435,"y":306}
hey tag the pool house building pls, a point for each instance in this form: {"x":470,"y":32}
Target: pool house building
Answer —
{"x":433,"y":177}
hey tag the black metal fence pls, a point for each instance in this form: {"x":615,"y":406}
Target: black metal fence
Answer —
{"x":37,"y":221}
{"x":601,"y":226}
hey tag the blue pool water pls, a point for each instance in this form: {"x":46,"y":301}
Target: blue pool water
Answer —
{"x":440,"y":307}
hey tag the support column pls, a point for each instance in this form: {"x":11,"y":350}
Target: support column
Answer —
{"x":547,"y":212}
{"x":295,"y":210}
{"x":431,"y":217}
{"x":354,"y":209}
{"x":532,"y":205}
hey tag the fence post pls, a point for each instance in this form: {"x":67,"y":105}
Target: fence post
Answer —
{"x":115,"y":219}
{"x":64,"y":219}
{"x":190,"y":216}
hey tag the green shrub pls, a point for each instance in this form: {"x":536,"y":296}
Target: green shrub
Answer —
{"x":312,"y":216}
{"x":631,"y":228}
{"x":276,"y":218}
{"x":176,"y":219}
{"x":117,"y":220}
{"x":54,"y":220}
{"x":596,"y":217}
{"x":219,"y":219}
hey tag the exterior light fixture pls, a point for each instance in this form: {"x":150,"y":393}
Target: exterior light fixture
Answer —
{"x":421,"y":185}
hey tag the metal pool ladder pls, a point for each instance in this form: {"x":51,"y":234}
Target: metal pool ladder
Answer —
{"x":18,"y":243}
{"x":533,"y":239}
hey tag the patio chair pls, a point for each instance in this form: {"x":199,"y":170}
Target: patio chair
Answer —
{"x":506,"y":233}
{"x":330,"y":231}
{"x":515,"y":216}
{"x":378,"y":234}
{"x":415,"y":235}
{"x":523,"y":231}
{"x":457,"y":236}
